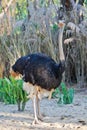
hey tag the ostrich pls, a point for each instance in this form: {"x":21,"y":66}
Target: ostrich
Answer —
{"x":41,"y":74}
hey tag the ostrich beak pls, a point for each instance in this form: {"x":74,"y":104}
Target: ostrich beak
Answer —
{"x":14,"y":74}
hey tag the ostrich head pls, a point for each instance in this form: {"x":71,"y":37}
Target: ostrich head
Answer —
{"x":19,"y":66}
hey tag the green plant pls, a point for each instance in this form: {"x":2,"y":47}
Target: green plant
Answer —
{"x":21,"y":10}
{"x":56,"y":93}
{"x":65,"y":95}
{"x":1,"y":93}
{"x":11,"y":92}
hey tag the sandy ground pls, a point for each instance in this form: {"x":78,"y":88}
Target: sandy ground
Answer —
{"x":57,"y":117}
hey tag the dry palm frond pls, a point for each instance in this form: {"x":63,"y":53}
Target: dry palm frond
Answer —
{"x":73,"y":27}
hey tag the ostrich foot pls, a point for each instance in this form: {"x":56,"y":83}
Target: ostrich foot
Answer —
{"x":41,"y":116}
{"x":36,"y":121}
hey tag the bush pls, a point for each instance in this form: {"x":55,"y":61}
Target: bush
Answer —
{"x":11,"y":92}
{"x":65,"y":95}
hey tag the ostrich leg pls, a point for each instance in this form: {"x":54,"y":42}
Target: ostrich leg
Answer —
{"x":40,"y":116}
{"x":35,"y":103}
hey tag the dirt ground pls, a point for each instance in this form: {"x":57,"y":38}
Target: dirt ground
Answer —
{"x":57,"y":117}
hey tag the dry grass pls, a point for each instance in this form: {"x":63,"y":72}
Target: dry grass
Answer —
{"x":39,"y":35}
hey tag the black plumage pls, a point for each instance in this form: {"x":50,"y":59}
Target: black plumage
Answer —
{"x":43,"y":71}
{"x":40,"y":69}
{"x":20,"y":64}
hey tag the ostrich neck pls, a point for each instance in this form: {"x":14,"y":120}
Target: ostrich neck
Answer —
{"x":61,"y":53}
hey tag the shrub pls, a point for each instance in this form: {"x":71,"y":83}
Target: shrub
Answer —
{"x":65,"y":95}
{"x":11,"y":92}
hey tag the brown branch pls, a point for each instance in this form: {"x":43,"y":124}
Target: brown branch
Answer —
{"x":6,"y":9}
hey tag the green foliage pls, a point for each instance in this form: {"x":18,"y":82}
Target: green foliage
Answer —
{"x":54,"y":27}
{"x":85,"y":1}
{"x":56,"y":93}
{"x":21,"y":10}
{"x":11,"y":92}
{"x":65,"y":95}
{"x":0,"y":9}
{"x":1,"y":93}
{"x":46,"y":2}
